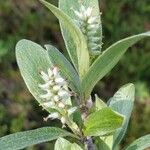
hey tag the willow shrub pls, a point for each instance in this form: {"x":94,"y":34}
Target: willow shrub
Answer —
{"x":63,"y":88}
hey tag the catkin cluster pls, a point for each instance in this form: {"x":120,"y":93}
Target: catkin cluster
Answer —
{"x":89,"y":26}
{"x":56,"y":96}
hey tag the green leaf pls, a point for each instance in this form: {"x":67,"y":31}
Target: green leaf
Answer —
{"x":104,"y":143}
{"x":66,"y":5}
{"x":105,"y":62}
{"x":65,"y":67}
{"x":63,"y":144}
{"x":24,"y":139}
{"x":140,"y":144}
{"x":99,"y":104}
{"x":75,"y":146}
{"x":102,"y":122}
{"x":79,"y":55}
{"x":31,"y":59}
{"x":122,"y":102}
{"x":126,"y":92}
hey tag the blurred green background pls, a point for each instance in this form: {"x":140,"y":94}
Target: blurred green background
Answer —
{"x":29,"y":19}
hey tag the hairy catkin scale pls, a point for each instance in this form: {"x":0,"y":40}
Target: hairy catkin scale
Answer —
{"x":89,"y":26}
{"x":57,"y":95}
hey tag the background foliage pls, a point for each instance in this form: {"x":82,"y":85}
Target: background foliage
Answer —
{"x":28,"y":19}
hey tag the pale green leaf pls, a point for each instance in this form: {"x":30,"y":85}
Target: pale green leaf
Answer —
{"x":104,"y":143}
{"x":63,"y":144}
{"x":79,"y":55}
{"x":102,"y":122}
{"x":122,"y":102}
{"x":140,"y":144}
{"x":65,"y":68}
{"x":24,"y":139}
{"x":125,"y":92}
{"x":108,"y":140}
{"x":67,"y":6}
{"x":75,"y":146}
{"x":105,"y":62}
{"x":31,"y":59}
{"x":99,"y":104}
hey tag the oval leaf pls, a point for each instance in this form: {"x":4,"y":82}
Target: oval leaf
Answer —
{"x":102,"y":122}
{"x":140,"y":144}
{"x":80,"y":51}
{"x":24,"y":139}
{"x":65,"y":67}
{"x":105,"y":62}
{"x":32,"y":59}
{"x":63,"y":144}
{"x":126,"y":92}
{"x":104,"y":143}
{"x":99,"y":104}
{"x":75,"y":146}
{"x":122,"y":102}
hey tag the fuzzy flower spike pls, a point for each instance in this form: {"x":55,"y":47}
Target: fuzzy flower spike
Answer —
{"x":56,"y":96}
{"x":89,"y":25}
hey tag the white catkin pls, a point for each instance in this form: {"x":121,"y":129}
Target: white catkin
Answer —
{"x":57,"y":95}
{"x":89,"y":27}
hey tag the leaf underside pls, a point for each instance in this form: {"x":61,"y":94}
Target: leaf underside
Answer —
{"x":140,"y":144}
{"x":31,"y":59}
{"x":122,"y":102}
